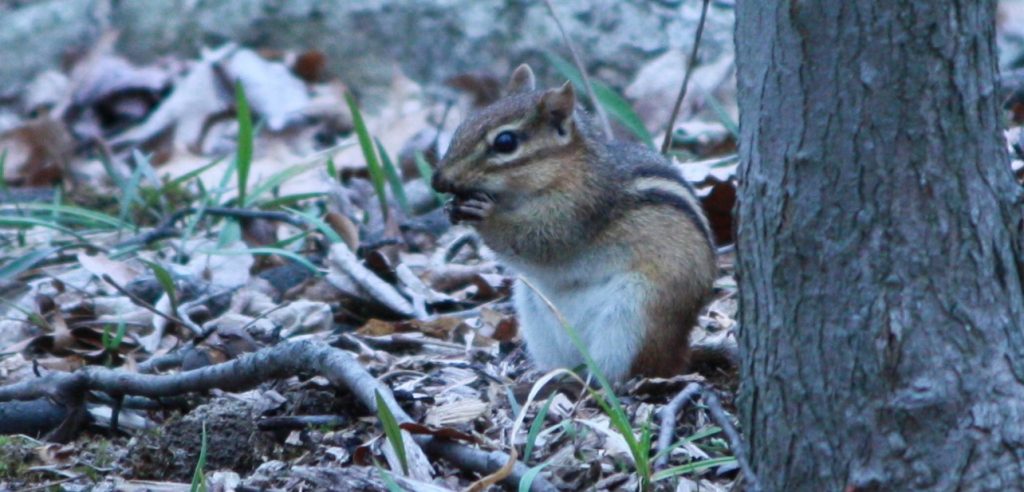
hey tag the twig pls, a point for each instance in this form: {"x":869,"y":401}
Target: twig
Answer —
{"x":497,"y":305}
{"x":54,"y":483}
{"x":735,"y":443}
{"x":667,"y":416}
{"x":448,"y":253}
{"x":299,"y":422}
{"x":344,"y":260}
{"x":278,"y":362}
{"x":352,"y":477}
{"x":242,"y":213}
{"x":601,"y":115}
{"x":166,"y":361}
{"x":166,"y":229}
{"x":138,"y":301}
{"x":667,"y":143}
{"x":403,"y":341}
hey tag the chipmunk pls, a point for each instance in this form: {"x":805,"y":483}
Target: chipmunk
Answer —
{"x":610,"y":233}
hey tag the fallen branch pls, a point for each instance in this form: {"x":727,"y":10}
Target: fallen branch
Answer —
{"x":277,"y":362}
{"x":177,"y":317}
{"x":667,"y":417}
{"x":344,"y":260}
{"x":351,"y":478}
{"x":166,"y":229}
{"x":300,"y":422}
{"x":735,"y":443}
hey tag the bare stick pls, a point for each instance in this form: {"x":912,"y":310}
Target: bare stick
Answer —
{"x":165,"y":229}
{"x":601,"y":115}
{"x":278,"y":362}
{"x":344,"y":260}
{"x":667,"y":416}
{"x":300,"y":422}
{"x":735,"y":443}
{"x":665,"y":144}
{"x":173,"y":318}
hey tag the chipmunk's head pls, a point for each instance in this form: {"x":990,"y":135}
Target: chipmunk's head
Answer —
{"x":515,"y":147}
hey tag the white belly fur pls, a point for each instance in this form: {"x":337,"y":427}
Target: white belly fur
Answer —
{"x":603,"y":304}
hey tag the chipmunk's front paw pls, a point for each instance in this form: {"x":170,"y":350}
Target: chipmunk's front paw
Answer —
{"x":470,"y":208}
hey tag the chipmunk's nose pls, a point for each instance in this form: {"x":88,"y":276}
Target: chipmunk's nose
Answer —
{"x":440,"y":183}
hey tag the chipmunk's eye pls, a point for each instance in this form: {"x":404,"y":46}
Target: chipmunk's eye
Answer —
{"x":505,"y":142}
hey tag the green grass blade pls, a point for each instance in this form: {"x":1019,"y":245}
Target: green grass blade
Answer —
{"x":427,"y":173}
{"x":512,"y":403}
{"x":530,"y":475}
{"x":119,"y":336}
{"x":535,"y":427}
{"x":607,"y":399}
{"x":193,"y":222}
{"x":142,"y":161}
{"x":58,"y":198}
{"x":230,"y":233}
{"x":320,"y":225}
{"x":79,"y":215}
{"x":288,"y":241}
{"x":3,"y":170}
{"x":266,"y":250}
{"x":391,"y":173}
{"x":166,"y":282}
{"x":392,"y":431}
{"x":389,"y":480}
{"x":114,"y":175}
{"x":284,"y":200}
{"x":129,"y":194}
{"x":243,"y":157}
{"x":29,"y":222}
{"x":180,"y":180}
{"x":645,"y":448}
{"x":26,"y":261}
{"x":709,"y":431}
{"x":616,"y":106}
{"x":277,"y":179}
{"x":198,"y":479}
{"x":622,"y":110}
{"x":724,"y":117}
{"x":113,"y":342}
{"x":693,"y":467}
{"x":373,"y":165}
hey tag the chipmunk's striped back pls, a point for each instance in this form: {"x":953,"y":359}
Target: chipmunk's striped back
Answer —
{"x":656,"y":182}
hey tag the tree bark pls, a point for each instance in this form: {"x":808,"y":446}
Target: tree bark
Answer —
{"x":879,"y":248}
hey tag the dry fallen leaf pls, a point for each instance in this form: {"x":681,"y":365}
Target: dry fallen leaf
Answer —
{"x":455,"y":412}
{"x":195,"y":98}
{"x":656,"y":86}
{"x":38,"y":152}
{"x":273,"y":90}
{"x":100,"y":265}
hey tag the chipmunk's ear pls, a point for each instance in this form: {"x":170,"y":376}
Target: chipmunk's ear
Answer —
{"x":522,"y":81}
{"x":557,"y":105}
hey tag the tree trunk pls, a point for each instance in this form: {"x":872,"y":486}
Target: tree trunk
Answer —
{"x":879,"y":249}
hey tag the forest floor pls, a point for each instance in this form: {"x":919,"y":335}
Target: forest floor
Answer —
{"x":264,"y":293}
